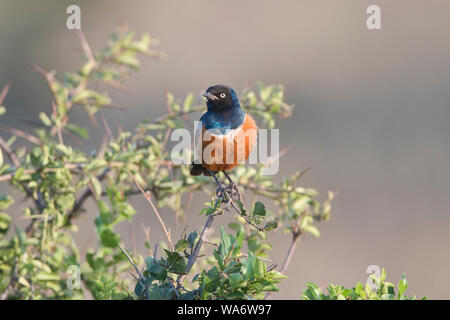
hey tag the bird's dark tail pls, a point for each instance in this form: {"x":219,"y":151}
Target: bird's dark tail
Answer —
{"x":198,"y":169}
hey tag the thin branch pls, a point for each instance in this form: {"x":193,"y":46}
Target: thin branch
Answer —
{"x":195,"y":253}
{"x":117,"y":85}
{"x":22,"y":134}
{"x":149,"y":199}
{"x":106,"y":127}
{"x":290,"y":253}
{"x":141,"y":277}
{"x":155,"y":251}
{"x":85,"y":45}
{"x":287,"y":259}
{"x":4,"y":92}
{"x":11,"y":155}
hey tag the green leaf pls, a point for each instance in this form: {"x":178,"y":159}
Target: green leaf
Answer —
{"x":208,"y":211}
{"x":5,"y":201}
{"x":139,"y":289}
{"x":80,"y":131}
{"x":176,"y":263}
{"x":402,"y":285}
{"x":312,"y":229}
{"x":5,"y":222}
{"x":109,"y":238}
{"x":158,"y":271}
{"x":181,"y":245}
{"x":154,"y":293}
{"x":46,"y":276}
{"x":235,"y":280}
{"x":192,"y":237}
{"x":97,"y":186}
{"x":67,"y":151}
{"x":259,"y":209}
{"x":312,"y":291}
{"x":188,"y":102}
{"x":105,"y":212}
{"x":226,"y":241}
{"x":259,"y":268}
{"x":45,"y":119}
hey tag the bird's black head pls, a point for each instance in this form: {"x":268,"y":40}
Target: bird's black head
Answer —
{"x":221,"y":97}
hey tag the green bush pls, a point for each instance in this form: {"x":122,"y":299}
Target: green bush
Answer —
{"x":57,"y":178}
{"x":385,"y":290}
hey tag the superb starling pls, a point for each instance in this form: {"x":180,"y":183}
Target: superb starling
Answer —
{"x":228,"y":135}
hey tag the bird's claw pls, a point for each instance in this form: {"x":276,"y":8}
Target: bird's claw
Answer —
{"x":230,"y":191}
{"x":221,"y":193}
{"x":233,"y":191}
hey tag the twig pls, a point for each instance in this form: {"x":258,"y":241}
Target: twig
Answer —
{"x":194,"y":255}
{"x":4,"y":92}
{"x":155,"y":251}
{"x":132,"y":274}
{"x":22,"y":134}
{"x":287,"y":260}
{"x":147,"y":235}
{"x":107,"y":128}
{"x":149,"y":199}
{"x":141,"y":277}
{"x":11,"y":155}
{"x":85,"y":45}
{"x":117,"y":85}
{"x":290,"y":253}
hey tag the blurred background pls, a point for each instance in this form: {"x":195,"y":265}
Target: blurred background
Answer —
{"x":371,"y":118}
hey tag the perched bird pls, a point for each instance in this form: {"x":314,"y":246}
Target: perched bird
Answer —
{"x":228,"y":134}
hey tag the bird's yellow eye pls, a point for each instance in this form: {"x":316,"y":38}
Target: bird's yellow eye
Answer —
{"x":222,"y":95}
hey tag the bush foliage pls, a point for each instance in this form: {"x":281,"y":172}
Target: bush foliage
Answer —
{"x":57,"y":178}
{"x":384,"y":290}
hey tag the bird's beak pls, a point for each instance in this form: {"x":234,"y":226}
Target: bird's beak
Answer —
{"x":209,"y":96}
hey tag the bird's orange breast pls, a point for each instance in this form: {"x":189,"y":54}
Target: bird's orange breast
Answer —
{"x":223,"y":152}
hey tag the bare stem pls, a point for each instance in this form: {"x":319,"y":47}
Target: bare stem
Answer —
{"x":287,"y":259}
{"x":4,"y":92}
{"x":141,"y":277}
{"x":290,"y":253}
{"x":194,"y":255}
{"x":149,"y":199}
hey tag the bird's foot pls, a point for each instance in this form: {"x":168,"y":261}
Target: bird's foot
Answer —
{"x":233,"y":191}
{"x":222,"y":192}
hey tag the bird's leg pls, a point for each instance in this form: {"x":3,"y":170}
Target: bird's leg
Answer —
{"x":228,"y":177}
{"x":220,"y":191}
{"x":232,"y":187}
